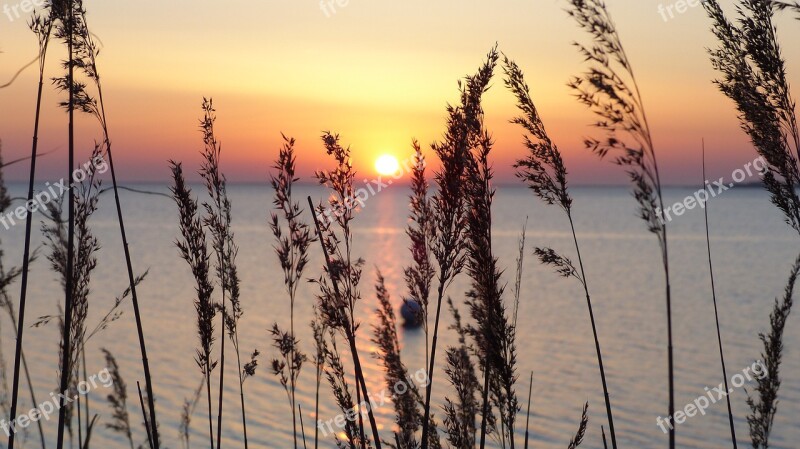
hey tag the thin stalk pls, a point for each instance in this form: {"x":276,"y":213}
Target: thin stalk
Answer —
{"x":528,"y":419}
{"x":147,"y":426}
{"x":350,"y":336}
{"x":669,"y":338}
{"x":129,"y":265}
{"x":86,"y":399}
{"x":66,"y":350}
{"x":80,"y":422}
{"x":302,"y":426}
{"x":241,"y":388}
{"x":485,"y":409}
{"x":210,"y":408}
{"x":432,"y":362}
{"x":221,"y":362}
{"x":19,"y":324}
{"x":362,"y":436}
{"x":316,"y":404}
{"x":716,"y":312}
{"x":594,"y":333}
{"x":30,"y":389}
{"x":603,"y":433}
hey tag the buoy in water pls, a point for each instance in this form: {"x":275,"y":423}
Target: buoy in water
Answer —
{"x":411,"y":313}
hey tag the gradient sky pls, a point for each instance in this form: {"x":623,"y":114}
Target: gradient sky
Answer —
{"x":378,"y":72}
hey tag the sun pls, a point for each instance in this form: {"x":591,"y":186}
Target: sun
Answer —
{"x":387,"y":165}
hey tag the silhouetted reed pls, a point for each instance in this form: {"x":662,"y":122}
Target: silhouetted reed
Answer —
{"x":88,"y":65}
{"x":764,"y":407}
{"x":292,"y":251}
{"x":339,"y":290}
{"x":194,"y":251}
{"x":320,"y":346}
{"x":754,"y":77}
{"x":67,"y":28}
{"x":578,"y":439}
{"x":189,"y":406}
{"x":493,"y":332}
{"x":76,"y":276}
{"x":448,"y":203}
{"x":460,"y":413}
{"x":421,"y":231}
{"x":406,"y":404}
{"x":610,"y":90}
{"x":7,"y":278}
{"x":287,"y":367}
{"x":118,"y":399}
{"x":42,"y":27}
{"x":753,"y":72}
{"x":544,"y":172}
{"x":716,"y":312}
{"x":792,"y":6}
{"x":217,"y":220}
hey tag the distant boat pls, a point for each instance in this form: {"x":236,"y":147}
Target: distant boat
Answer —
{"x":411,"y":313}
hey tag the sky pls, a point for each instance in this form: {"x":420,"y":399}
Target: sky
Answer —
{"x":378,"y":72}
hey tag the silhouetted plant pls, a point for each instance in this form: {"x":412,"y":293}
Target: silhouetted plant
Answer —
{"x":76,"y":276}
{"x":292,"y":250}
{"x":217,"y":220}
{"x":287,"y":367}
{"x":461,"y":412}
{"x":764,"y":407}
{"x":610,"y":90}
{"x":339,"y":290}
{"x":7,"y":278}
{"x":754,"y":77}
{"x":544,"y":172}
{"x":793,"y":6}
{"x":86,"y":61}
{"x":494,"y":333}
{"x":406,"y":404}
{"x":448,"y":203}
{"x":194,"y":251}
{"x":578,"y":439}
{"x":421,"y":231}
{"x":716,"y":311}
{"x":320,"y":345}
{"x":42,"y":27}
{"x":118,"y":399}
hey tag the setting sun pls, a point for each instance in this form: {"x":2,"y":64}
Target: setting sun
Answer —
{"x":387,"y":165}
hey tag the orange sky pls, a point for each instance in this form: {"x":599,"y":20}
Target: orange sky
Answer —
{"x":378,"y":72}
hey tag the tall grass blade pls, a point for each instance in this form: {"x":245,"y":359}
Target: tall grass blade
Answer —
{"x":66,"y":350}
{"x":43,"y":28}
{"x":544,"y":172}
{"x":610,"y":90}
{"x":716,"y":312}
{"x":147,"y":426}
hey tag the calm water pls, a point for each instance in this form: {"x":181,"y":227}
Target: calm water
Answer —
{"x":753,"y":252}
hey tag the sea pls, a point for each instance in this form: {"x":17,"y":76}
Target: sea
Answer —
{"x":753,"y":250}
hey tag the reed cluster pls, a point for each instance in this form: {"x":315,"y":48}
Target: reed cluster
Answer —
{"x":753,"y":73}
